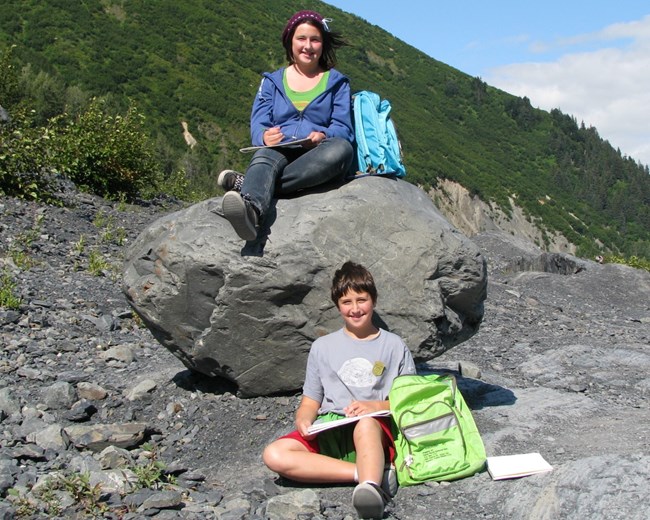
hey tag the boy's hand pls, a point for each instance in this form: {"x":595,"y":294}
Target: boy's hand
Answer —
{"x":357,"y":408}
{"x":302,"y":429}
{"x":302,"y":426}
{"x":306,"y":415}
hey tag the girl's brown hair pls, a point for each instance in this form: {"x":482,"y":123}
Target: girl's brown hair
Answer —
{"x":331,"y":40}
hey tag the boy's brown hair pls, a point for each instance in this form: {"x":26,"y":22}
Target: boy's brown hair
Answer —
{"x":352,"y":276}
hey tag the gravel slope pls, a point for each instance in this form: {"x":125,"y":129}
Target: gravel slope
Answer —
{"x":563,"y":359}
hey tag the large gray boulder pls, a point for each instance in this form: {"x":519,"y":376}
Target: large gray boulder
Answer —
{"x":249,"y":313}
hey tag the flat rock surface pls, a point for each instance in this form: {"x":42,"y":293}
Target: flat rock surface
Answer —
{"x":563,"y":360}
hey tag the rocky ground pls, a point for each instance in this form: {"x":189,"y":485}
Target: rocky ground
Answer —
{"x":92,"y":408}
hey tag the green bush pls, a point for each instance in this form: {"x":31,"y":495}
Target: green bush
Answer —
{"x":108,"y":155}
{"x":633,"y":261}
{"x":9,"y":90}
{"x":104,"y":153}
{"x":8,"y":297}
{"x":24,"y":170}
{"x":23,"y":144}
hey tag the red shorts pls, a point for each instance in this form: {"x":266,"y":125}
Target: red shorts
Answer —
{"x":313,"y":446}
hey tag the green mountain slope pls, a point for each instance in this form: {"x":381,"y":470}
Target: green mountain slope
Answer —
{"x":200,"y":61}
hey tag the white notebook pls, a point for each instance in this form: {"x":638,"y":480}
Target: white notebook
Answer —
{"x":289,"y":144}
{"x":514,"y":466}
{"x":318,"y":427}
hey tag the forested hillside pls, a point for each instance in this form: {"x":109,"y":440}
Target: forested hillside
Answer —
{"x":199,"y":61}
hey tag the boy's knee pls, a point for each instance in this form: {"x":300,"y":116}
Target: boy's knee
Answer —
{"x":367,"y":426}
{"x":270,"y":457}
{"x":275,"y":458}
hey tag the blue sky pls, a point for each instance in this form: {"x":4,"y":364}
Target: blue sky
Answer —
{"x":591,"y":59}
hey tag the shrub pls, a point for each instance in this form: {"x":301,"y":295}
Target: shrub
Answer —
{"x":632,"y":261}
{"x":101,"y":152}
{"x":8,"y":298}
{"x":24,"y":167}
{"x":107,"y":154}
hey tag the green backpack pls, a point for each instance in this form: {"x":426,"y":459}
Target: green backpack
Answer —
{"x":436,"y":437}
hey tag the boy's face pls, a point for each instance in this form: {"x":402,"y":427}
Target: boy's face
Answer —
{"x":356,"y":309}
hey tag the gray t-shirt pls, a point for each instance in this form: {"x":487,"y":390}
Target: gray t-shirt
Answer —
{"x":341,"y":369}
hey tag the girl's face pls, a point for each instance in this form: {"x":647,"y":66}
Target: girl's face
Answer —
{"x":306,"y":45}
{"x":356,"y":309}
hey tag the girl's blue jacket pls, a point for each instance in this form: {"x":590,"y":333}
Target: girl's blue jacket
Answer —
{"x":330,"y":112}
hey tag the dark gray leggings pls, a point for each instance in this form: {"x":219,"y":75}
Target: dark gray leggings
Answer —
{"x":283,"y":171}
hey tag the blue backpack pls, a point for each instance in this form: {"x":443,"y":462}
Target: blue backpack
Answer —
{"x":378,"y":149}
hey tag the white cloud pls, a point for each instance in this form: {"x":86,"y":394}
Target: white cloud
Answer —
{"x":608,"y":88}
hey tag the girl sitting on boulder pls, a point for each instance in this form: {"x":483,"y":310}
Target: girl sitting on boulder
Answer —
{"x":306,"y":100}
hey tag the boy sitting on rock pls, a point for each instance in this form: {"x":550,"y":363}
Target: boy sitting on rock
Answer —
{"x":349,"y":373}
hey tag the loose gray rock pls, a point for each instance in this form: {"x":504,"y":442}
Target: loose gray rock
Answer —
{"x":140,"y":390}
{"x":292,"y":506}
{"x":81,"y":411}
{"x":579,"y":489}
{"x":59,"y":395}
{"x":8,"y":404}
{"x":250,"y":315}
{"x":100,"y":436}
{"x":113,"y":457}
{"x":121,"y":353}
{"x":119,"y":480}
{"x":51,"y":437}
{"x":162,"y":500}
{"x":91,"y":391}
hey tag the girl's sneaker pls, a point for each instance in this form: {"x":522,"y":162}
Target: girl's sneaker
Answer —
{"x":230,"y":180}
{"x":241,"y":214}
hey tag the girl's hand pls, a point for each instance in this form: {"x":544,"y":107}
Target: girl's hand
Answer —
{"x":316,"y":138}
{"x":273,"y":136}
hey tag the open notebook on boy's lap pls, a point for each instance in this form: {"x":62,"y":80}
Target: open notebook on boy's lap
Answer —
{"x":320,"y":426}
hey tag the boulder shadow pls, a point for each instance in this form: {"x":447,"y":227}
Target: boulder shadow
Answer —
{"x":190,"y":381}
{"x":477,"y":394}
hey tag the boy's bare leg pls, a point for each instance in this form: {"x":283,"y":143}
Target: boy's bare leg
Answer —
{"x":369,"y":445}
{"x":290,"y":458}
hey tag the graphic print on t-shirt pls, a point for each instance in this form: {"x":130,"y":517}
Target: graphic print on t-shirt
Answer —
{"x":357,"y":372}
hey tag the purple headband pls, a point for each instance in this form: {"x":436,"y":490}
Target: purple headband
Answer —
{"x":300,"y":17}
